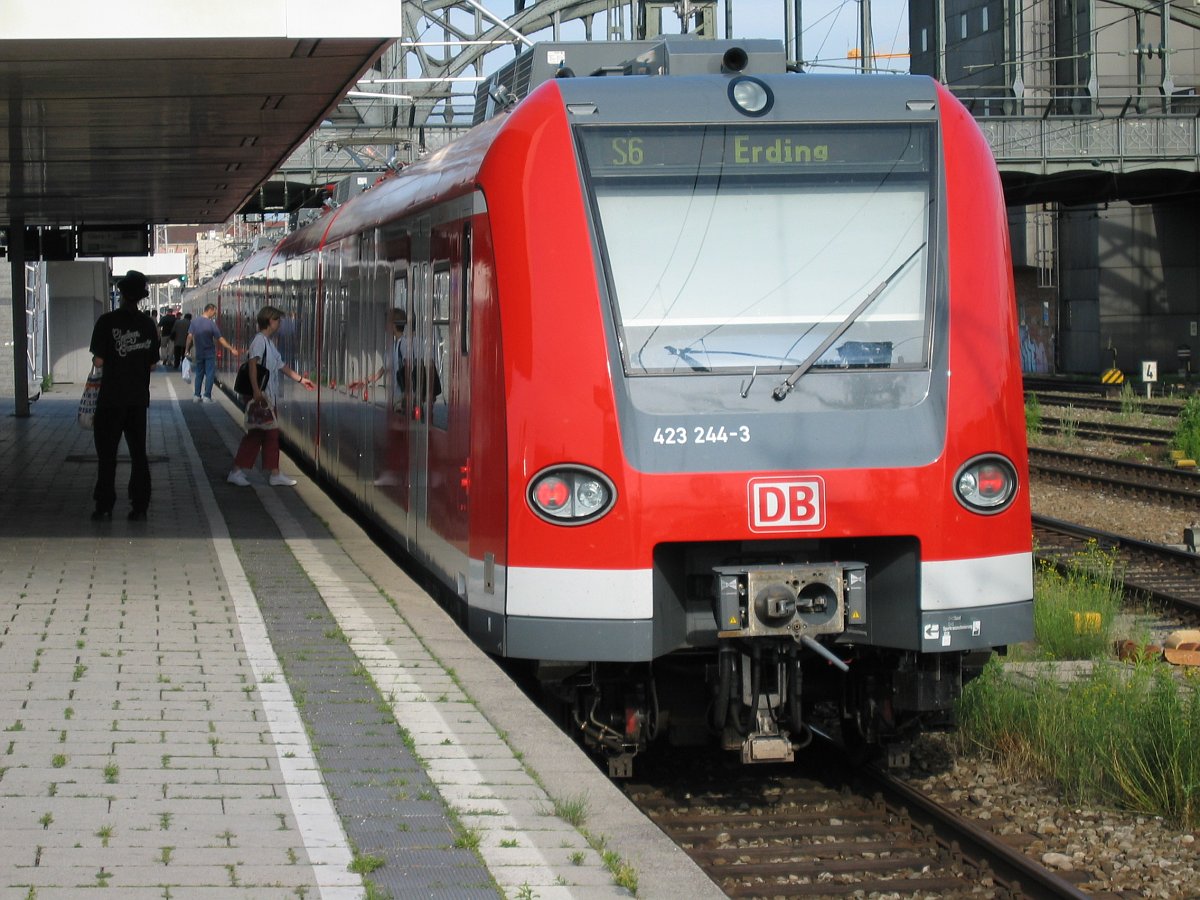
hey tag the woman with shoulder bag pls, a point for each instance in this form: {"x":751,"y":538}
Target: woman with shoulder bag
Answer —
{"x":262,"y":427}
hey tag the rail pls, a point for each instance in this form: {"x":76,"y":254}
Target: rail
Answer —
{"x":1013,"y":867}
{"x":1154,"y":572}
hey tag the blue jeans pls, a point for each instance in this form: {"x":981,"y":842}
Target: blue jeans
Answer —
{"x":204,"y":371}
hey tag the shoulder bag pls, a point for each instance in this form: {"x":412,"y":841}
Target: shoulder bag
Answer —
{"x":241,"y":383}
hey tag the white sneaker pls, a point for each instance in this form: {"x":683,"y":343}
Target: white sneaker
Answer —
{"x":238,"y":477}
{"x":282,"y":480}
{"x":209,"y":400}
{"x":196,"y":399}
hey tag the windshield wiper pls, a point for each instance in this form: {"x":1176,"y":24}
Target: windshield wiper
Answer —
{"x":785,"y":387}
{"x":684,"y":354}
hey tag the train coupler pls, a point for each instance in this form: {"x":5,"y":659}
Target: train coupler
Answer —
{"x":763,"y":747}
{"x":795,"y":600}
{"x":769,"y":743}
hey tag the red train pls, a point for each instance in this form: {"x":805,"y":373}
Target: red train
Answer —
{"x":699,"y":388}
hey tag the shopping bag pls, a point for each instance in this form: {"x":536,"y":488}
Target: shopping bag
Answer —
{"x":260,"y":415}
{"x":185,"y":369}
{"x":87,"y":403}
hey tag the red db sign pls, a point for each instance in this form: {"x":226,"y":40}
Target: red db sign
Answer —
{"x":787,"y":503}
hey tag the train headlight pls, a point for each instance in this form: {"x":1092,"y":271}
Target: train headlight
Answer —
{"x":750,"y":96}
{"x":986,"y":484}
{"x":570,"y":495}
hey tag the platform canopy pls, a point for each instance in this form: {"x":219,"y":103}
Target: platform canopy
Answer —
{"x":142,"y":111}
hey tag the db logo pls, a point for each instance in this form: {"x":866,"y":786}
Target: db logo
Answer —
{"x":787,"y":503}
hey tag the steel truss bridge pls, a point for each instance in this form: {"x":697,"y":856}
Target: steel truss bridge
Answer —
{"x":421,"y":94}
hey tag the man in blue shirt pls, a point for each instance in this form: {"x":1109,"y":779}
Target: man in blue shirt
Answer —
{"x":204,"y":335}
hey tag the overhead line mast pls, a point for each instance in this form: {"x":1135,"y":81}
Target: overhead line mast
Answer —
{"x":866,"y":40}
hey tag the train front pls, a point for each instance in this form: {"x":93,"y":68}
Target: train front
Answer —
{"x":815,"y":458}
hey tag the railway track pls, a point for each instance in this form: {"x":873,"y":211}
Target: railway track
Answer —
{"x":1035,"y":385}
{"x":1166,"y":408}
{"x":1179,"y":488}
{"x":1108,"y":431}
{"x":817,"y":829}
{"x":1161,"y":574}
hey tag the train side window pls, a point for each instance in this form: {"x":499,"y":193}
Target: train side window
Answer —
{"x":441,"y":292}
{"x":400,"y":318}
{"x":464,"y":326}
{"x":441,"y":340}
{"x":342,"y":323}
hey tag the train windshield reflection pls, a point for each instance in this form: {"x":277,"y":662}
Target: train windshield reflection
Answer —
{"x":742,"y":249}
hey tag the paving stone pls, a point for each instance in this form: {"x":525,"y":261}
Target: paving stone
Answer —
{"x":162,"y":682}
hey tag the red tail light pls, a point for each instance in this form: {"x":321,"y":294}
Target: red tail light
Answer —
{"x":571,"y":495}
{"x":986,"y":484}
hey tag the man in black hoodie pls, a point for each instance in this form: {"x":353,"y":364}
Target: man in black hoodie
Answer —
{"x":124,"y":347}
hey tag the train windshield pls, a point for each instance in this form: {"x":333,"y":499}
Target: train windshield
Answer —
{"x":740,"y":249}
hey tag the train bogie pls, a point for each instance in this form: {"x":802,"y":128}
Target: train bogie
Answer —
{"x":701,"y":393}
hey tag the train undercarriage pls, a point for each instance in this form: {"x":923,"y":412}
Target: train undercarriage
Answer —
{"x":761,"y":701}
{"x":770,"y":680}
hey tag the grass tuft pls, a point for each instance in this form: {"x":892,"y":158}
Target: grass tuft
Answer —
{"x":1077,"y":604}
{"x":1187,"y":431}
{"x":1123,"y":737}
{"x":1033,"y":417}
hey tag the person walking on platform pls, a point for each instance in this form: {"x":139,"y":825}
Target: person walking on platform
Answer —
{"x":204,"y":335}
{"x":124,"y":347}
{"x":262,"y":425}
{"x":166,"y":326}
{"x":179,"y":333}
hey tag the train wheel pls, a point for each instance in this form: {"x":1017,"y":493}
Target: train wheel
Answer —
{"x":859,"y":749}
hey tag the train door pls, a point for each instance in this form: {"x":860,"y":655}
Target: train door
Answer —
{"x":302,"y":272}
{"x":393,"y":479}
{"x":416,"y":365}
{"x":333,"y":345}
{"x":365,"y":325}
{"x":392,"y":500}
{"x":374,"y":385}
{"x":449,"y":424}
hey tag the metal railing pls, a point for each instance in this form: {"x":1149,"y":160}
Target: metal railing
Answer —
{"x":1119,"y":133}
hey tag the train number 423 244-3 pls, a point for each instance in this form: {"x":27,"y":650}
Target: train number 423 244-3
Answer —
{"x":702,"y":434}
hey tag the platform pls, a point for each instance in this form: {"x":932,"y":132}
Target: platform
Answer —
{"x":244,"y":697}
